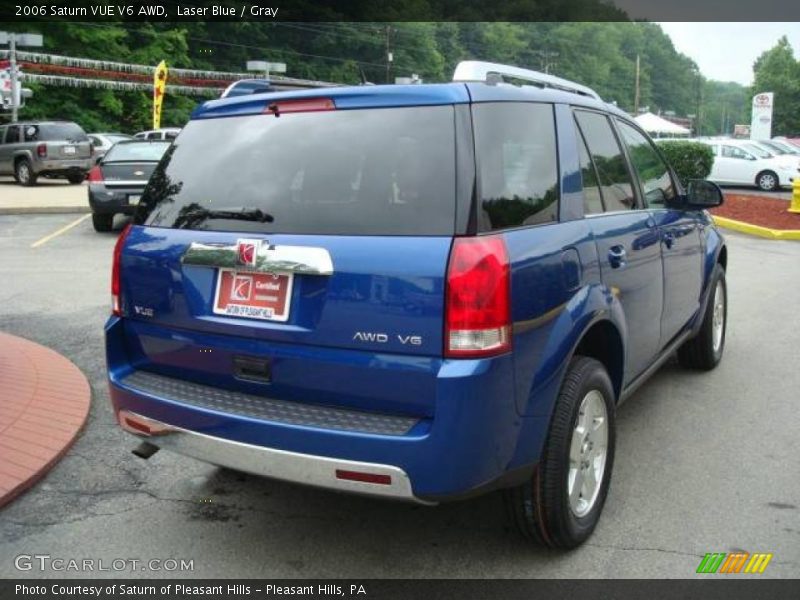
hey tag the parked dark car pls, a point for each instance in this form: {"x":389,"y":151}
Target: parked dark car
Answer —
{"x":418,"y":292}
{"x":116,"y":183}
{"x":55,"y":149}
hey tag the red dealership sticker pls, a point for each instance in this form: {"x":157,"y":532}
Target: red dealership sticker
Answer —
{"x":263,"y":296}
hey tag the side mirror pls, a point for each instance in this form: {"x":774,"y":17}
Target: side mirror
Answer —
{"x":703,"y":194}
{"x":98,"y":160}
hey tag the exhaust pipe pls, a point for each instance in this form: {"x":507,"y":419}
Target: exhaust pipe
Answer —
{"x":145,"y":450}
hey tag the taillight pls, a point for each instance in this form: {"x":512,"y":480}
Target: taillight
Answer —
{"x":116,"y":284}
{"x":41,"y":150}
{"x":478,"y":305}
{"x":95,"y":174}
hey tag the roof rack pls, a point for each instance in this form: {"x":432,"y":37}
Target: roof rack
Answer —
{"x":474,"y":70}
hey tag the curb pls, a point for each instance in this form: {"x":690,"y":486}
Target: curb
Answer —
{"x":43,"y":210}
{"x":757,"y":230}
{"x":45,"y":405}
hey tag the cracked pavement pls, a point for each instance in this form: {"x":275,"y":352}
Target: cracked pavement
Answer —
{"x":705,"y":462}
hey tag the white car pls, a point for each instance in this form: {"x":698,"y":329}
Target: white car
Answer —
{"x":102,"y":142}
{"x":167,"y":133}
{"x":742,"y":162}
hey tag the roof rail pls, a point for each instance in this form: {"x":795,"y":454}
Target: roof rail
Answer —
{"x":474,"y":70}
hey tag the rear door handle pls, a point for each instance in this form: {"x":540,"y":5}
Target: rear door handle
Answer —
{"x":617,"y":256}
{"x":669,"y":239}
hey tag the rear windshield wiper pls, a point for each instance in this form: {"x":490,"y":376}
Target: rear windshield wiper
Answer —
{"x":195,"y":216}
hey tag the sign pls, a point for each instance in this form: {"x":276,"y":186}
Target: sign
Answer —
{"x":761,"y":123}
{"x":159,"y":85}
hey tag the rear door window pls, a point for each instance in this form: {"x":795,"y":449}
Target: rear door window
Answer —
{"x":612,"y":169}
{"x":517,"y":162}
{"x":385,"y":171}
{"x":592,"y":196}
{"x":12,"y":134}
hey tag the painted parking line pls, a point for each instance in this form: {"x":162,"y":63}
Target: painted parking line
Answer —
{"x":57,"y":233}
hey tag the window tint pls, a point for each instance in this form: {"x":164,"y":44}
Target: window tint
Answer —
{"x":592,"y":198}
{"x":615,"y":181}
{"x":387,"y":171}
{"x":12,"y":134}
{"x":55,"y":132}
{"x":135,"y":151}
{"x":734,"y":152}
{"x":517,"y":164}
{"x":652,"y":170}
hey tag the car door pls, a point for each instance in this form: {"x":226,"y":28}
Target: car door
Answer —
{"x":7,"y":148}
{"x":626,"y":236}
{"x":679,"y":229}
{"x":736,"y":165}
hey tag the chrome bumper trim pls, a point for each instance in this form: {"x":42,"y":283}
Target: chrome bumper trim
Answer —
{"x":307,"y":469}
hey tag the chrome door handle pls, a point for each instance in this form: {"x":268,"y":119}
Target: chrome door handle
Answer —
{"x":669,"y":239}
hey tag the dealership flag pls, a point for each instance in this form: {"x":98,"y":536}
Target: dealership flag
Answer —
{"x":761,"y":125}
{"x":159,"y":84}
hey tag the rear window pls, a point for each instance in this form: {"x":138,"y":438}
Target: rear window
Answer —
{"x":144,"y":151}
{"x":54,"y":132}
{"x":352,"y":172}
{"x":517,"y":162}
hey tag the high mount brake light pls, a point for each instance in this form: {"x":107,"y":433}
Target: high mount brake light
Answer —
{"x":116,"y":283}
{"x":301,"y":105}
{"x":478,"y":304}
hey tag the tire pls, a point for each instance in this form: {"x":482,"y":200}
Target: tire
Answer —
{"x":767,"y":181}
{"x":23,"y":172}
{"x":704,"y":351}
{"x":76,"y":178}
{"x":102,"y":223}
{"x":541,"y":508}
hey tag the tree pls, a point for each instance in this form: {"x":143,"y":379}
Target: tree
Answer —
{"x":776,"y":70}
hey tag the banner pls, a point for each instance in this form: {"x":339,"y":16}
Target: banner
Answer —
{"x":761,"y":124}
{"x":159,"y":85}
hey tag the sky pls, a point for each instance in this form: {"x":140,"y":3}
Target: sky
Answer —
{"x":727,"y":51}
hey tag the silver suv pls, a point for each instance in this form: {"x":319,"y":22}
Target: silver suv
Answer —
{"x":32,"y":149}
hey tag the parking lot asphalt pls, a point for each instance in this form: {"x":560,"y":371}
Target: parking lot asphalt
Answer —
{"x":706,"y":462}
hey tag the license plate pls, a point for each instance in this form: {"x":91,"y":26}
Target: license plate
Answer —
{"x":133,"y":200}
{"x":262,"y":296}
{"x":69,"y":149}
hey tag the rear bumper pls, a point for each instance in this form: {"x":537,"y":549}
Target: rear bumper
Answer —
{"x":107,"y":201}
{"x":470,"y":441}
{"x":62,"y":165}
{"x":320,"y":471}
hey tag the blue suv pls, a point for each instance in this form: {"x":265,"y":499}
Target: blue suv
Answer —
{"x":419,"y":292}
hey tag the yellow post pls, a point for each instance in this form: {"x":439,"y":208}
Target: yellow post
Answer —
{"x":794,"y":207}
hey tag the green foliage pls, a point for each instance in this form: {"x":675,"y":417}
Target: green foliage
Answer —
{"x":691,"y":160}
{"x":597,"y":52}
{"x":777,"y":71}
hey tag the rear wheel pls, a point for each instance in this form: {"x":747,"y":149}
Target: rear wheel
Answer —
{"x":23,"y":172}
{"x":102,"y":222}
{"x":75,"y":178}
{"x":561,"y":505}
{"x":704,"y":351}
{"x":767,"y":181}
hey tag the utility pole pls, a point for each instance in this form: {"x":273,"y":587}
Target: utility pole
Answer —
{"x":12,"y":59}
{"x":636,"y":94}
{"x":545,"y":56}
{"x":389,"y":54}
{"x":12,"y":39}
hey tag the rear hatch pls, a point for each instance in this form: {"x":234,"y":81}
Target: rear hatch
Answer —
{"x":304,"y":248}
{"x":62,"y":140}
{"x":129,"y":165}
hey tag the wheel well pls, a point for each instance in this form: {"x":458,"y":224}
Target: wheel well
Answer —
{"x":603,"y":343}
{"x":722,"y":259}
